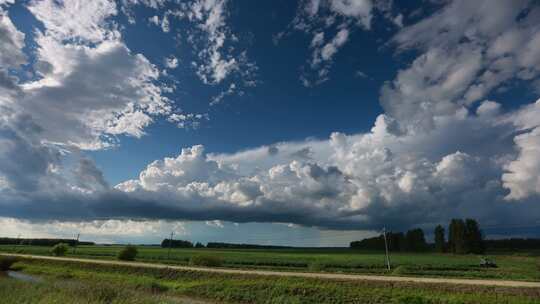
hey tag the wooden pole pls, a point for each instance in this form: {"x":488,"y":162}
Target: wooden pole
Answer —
{"x":76,"y":243}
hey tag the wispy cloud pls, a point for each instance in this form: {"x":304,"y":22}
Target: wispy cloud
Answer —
{"x":319,"y":17}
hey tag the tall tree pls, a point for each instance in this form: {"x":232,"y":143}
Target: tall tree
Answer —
{"x":456,"y":236}
{"x":474,"y":242}
{"x":439,"y":239}
{"x":415,"y":240}
{"x":396,"y":241}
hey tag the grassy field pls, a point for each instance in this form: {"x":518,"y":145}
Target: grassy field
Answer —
{"x":522,"y":266}
{"x":73,"y":282}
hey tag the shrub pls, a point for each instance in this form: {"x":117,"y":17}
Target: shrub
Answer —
{"x":59,"y":249}
{"x":6,"y":262}
{"x":316,"y":266}
{"x":205,"y":260}
{"x":128,"y":253}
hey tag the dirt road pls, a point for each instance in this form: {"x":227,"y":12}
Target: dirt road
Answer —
{"x":331,"y":276}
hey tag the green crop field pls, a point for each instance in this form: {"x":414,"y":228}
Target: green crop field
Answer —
{"x":517,"y":266}
{"x":74,"y":282}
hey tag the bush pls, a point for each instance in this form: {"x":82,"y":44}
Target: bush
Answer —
{"x":128,"y":253}
{"x":59,"y":249}
{"x":316,"y":266}
{"x":6,"y":262}
{"x":205,"y":260}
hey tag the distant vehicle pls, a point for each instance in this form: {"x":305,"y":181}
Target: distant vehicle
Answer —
{"x":487,"y":263}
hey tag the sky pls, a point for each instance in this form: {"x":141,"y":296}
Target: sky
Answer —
{"x":306,"y":123}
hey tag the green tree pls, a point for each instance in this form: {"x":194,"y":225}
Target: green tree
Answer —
{"x":439,"y":239}
{"x":474,"y":242}
{"x":396,"y":241}
{"x":415,"y":240}
{"x":456,"y":236}
{"x":128,"y":253}
{"x":59,"y":249}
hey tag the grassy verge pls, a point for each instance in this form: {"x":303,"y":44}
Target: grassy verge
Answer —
{"x":162,"y":286}
{"x":67,"y":292}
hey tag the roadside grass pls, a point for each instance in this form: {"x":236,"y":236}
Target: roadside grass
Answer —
{"x":205,"y":261}
{"x":511,"y":266}
{"x":76,"y":292}
{"x":116,"y":282}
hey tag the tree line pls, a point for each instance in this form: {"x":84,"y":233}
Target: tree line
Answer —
{"x":171,"y":243}
{"x":168,"y":243}
{"x":413,"y":240}
{"x":464,"y":236}
{"x":42,"y":242}
{"x":512,"y":244}
{"x":243,"y":246}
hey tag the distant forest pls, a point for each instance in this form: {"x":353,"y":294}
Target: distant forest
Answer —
{"x":41,"y":242}
{"x":166,"y":243}
{"x":170,"y":243}
{"x":243,"y":246}
{"x":512,"y":243}
{"x":463,"y":237}
{"x":412,"y":240}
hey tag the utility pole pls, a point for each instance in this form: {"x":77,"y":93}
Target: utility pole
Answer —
{"x":386,"y":248}
{"x":170,"y":246}
{"x":76,"y":243}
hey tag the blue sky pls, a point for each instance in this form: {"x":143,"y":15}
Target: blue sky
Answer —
{"x":345,"y":103}
{"x":312,"y":122}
